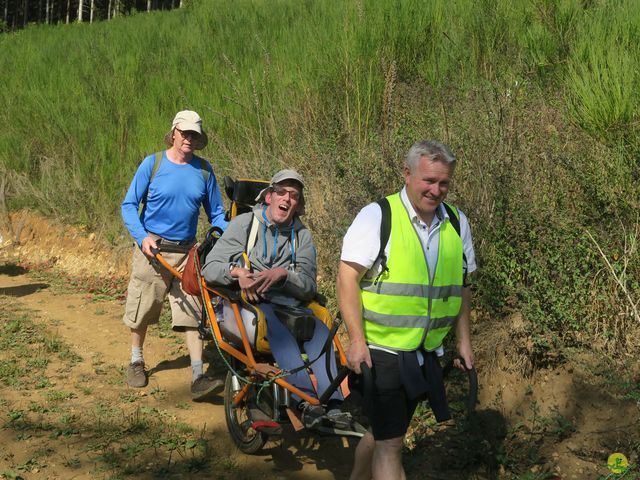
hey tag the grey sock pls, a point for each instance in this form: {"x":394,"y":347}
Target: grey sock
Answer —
{"x":196,"y":369}
{"x":136,"y":354}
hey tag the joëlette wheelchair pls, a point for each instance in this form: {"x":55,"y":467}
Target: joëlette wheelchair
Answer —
{"x":238,"y":330}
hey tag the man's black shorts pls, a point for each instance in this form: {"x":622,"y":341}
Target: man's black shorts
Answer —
{"x":391,"y":409}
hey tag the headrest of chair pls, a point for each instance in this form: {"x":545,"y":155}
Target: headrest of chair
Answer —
{"x":243,"y":191}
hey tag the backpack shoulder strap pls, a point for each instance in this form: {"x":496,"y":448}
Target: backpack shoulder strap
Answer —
{"x":385,"y":225}
{"x":204,"y":169}
{"x":453,"y":217}
{"x":385,"y":231}
{"x":156,"y":165}
{"x":252,"y":235}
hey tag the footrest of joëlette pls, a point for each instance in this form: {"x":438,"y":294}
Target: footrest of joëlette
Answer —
{"x":268,"y":427}
{"x":294,"y":419}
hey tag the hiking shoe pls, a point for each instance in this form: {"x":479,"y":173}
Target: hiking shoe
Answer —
{"x":136,"y":375}
{"x":203,"y":386}
{"x":312,"y":415}
{"x":339,"y":419}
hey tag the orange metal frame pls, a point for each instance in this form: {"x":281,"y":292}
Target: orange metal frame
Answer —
{"x":256,"y":370}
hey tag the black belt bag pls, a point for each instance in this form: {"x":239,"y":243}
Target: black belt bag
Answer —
{"x":299,"y":321}
{"x":172,"y":246}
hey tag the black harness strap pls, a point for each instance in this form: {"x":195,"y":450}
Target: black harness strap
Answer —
{"x":385,"y":231}
{"x":385,"y":227}
{"x":325,"y":349}
{"x":455,"y":223}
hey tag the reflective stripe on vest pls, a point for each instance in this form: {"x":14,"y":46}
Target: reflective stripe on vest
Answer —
{"x":403,"y":310}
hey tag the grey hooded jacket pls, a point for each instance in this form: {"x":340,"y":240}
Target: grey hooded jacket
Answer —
{"x":299,"y":286}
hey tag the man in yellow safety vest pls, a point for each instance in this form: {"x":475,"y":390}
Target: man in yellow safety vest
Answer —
{"x":402,"y":286}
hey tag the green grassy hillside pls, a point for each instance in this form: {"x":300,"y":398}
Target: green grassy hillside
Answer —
{"x":538,"y":99}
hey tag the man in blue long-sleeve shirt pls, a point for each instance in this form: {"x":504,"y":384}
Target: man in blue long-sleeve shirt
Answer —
{"x":170,"y":186}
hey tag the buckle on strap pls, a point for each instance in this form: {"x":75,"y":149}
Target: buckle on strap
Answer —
{"x":176,"y":242}
{"x":384,"y":269}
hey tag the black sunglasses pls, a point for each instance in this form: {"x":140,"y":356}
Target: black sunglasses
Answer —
{"x":282,"y":191}
{"x":189,"y":134}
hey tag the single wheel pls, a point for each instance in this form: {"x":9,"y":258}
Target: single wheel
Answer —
{"x":238,"y":422}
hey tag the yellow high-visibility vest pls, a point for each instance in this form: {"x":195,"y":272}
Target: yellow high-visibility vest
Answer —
{"x":401,"y":308}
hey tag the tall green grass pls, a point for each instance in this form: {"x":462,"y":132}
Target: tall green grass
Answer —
{"x":538,"y":98}
{"x":602,"y":71}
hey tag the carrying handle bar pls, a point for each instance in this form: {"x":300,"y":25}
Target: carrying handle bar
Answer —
{"x":472,"y":396}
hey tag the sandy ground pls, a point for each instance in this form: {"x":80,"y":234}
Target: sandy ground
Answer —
{"x":94,"y":330}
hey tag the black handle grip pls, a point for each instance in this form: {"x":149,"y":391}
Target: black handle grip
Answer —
{"x":367,"y":389}
{"x":472,"y":396}
{"x":367,"y":380}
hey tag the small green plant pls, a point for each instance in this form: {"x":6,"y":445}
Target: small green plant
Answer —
{"x":33,"y":465}
{"x":15,"y":415}
{"x":59,"y":395}
{"x":53,"y":344}
{"x":72,"y":463}
{"x":158,"y":393}
{"x":69,"y":356}
{"x":86,"y":390}
{"x":9,"y":372}
{"x":128,"y":397}
{"x":43,"y":382}
{"x":39,"y":363}
{"x":37,"y":408}
{"x":10,"y":475}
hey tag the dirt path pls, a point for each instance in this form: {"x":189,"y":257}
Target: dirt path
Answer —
{"x":66,"y":412}
{"x":94,"y":331}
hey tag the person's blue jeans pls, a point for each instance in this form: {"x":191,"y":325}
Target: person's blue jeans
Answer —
{"x":285,"y":350}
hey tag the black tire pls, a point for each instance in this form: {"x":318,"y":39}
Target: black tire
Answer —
{"x":238,"y":423}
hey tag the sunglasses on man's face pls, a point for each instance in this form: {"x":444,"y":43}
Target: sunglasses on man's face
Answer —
{"x":281,"y":191}
{"x":189,"y":134}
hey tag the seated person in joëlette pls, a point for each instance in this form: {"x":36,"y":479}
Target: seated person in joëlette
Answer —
{"x":282,"y":272}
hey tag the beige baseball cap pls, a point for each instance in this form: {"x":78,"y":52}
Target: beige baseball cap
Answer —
{"x":191,"y":121}
{"x":280,"y":177}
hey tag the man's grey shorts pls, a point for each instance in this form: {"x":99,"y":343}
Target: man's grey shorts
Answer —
{"x":148,"y":287}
